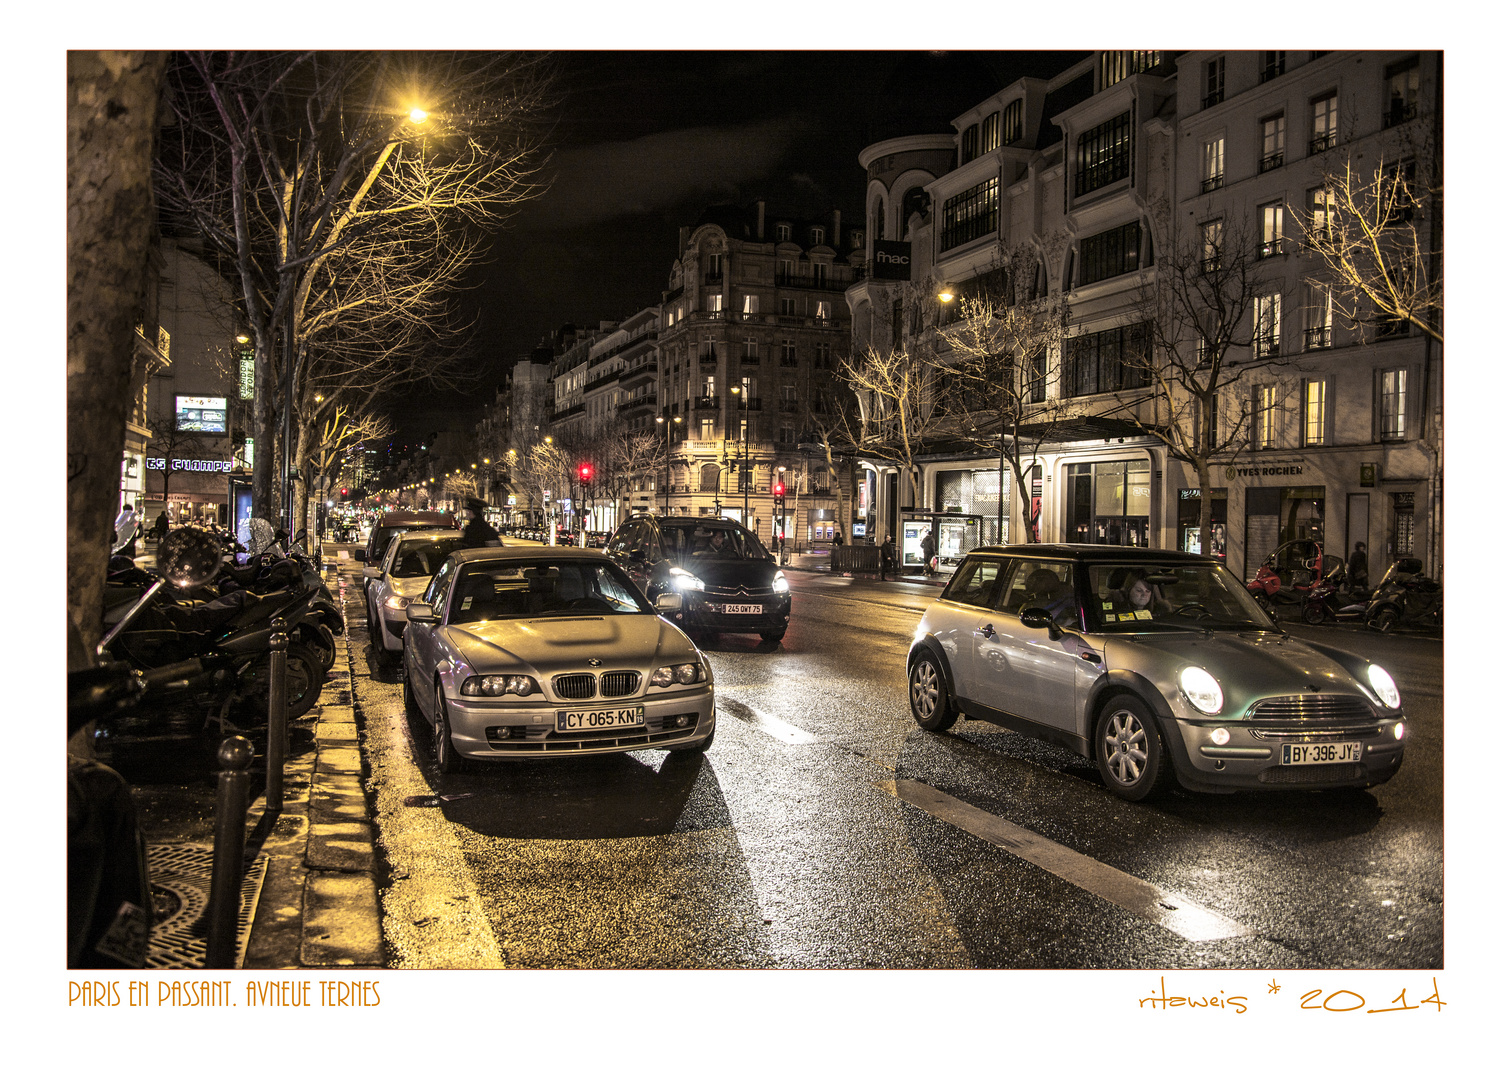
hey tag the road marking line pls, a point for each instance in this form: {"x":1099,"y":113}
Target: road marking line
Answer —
{"x":1171,"y":910}
{"x":765,"y":721}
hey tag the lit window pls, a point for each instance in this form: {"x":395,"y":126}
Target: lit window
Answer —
{"x":1272,"y":221}
{"x":1401,"y":92}
{"x":1272,"y":142}
{"x":1394,"y":404}
{"x":1319,"y":317}
{"x":1212,"y":245}
{"x":1214,"y":93}
{"x":1265,"y":417}
{"x":992,"y":134}
{"x":716,"y":302}
{"x":1013,"y":121}
{"x":1268,"y":325}
{"x":1314,"y":412}
{"x":1325,"y":123}
{"x":1212,"y":164}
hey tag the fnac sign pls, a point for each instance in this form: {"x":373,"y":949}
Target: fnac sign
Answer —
{"x":892,"y":259}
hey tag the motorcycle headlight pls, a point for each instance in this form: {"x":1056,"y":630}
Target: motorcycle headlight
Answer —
{"x":1202,"y":690}
{"x":1384,"y":685}
{"x":686,"y":674}
{"x":779,"y":582}
{"x":683,"y":581}
{"x":498,"y":685}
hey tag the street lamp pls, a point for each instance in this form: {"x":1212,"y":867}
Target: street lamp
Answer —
{"x":667,"y":491}
{"x":745,"y":452}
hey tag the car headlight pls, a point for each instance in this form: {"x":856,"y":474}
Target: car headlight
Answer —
{"x":1202,"y":690}
{"x":779,"y":582}
{"x":498,"y":685}
{"x":685,"y":674}
{"x":683,"y":581}
{"x":1384,"y":686}
{"x":397,"y":603}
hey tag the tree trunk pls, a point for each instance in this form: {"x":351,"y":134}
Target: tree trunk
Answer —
{"x":1204,"y":508}
{"x":112,"y":117}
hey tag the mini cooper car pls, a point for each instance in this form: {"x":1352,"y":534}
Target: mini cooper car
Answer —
{"x":526,"y":652}
{"x":728,"y":581}
{"x":411,"y":560}
{"x":1158,"y":665}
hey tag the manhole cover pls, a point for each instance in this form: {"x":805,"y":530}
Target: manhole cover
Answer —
{"x":180,"y":876}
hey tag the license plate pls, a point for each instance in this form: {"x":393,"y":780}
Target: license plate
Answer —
{"x":600,"y":719}
{"x":1329,"y":753}
{"x":742,"y":609}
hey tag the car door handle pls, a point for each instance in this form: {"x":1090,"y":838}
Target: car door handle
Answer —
{"x":987,"y":630}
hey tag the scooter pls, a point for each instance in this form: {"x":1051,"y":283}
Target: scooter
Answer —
{"x":1406,"y":597}
{"x":1334,"y":600}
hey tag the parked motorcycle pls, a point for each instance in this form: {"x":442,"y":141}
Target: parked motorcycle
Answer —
{"x":1289,"y":575}
{"x":1406,"y":597}
{"x":1334,"y":600}
{"x":109,"y":897}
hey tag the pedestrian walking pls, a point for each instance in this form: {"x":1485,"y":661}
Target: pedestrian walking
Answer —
{"x":478,"y":532}
{"x":1359,"y":566}
{"x":889,"y":556}
{"x":927,"y":544}
{"x":160,"y":526}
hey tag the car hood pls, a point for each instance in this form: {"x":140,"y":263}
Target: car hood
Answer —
{"x":618,"y":641}
{"x":408,"y":586}
{"x":731,"y":573}
{"x":1248,"y":665}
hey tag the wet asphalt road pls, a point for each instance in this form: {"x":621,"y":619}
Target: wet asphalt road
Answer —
{"x":824,"y":829}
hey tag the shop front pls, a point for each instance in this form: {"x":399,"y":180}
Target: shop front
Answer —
{"x":954,"y":536}
{"x":1108,"y":502}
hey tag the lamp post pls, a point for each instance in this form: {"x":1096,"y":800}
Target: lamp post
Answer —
{"x":745,"y":452}
{"x":667,"y":426}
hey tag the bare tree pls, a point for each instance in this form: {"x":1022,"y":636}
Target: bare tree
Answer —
{"x":1212,"y":320}
{"x":1003,"y":350}
{"x":625,"y":454}
{"x":1369,"y":230}
{"x":349,"y":193}
{"x":340,"y":431}
{"x":112,"y":112}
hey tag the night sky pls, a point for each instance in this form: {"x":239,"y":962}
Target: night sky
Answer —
{"x":644,"y":141}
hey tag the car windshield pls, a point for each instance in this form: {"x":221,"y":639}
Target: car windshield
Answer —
{"x":711,"y":541}
{"x":1139,"y":596}
{"x":422,"y":558}
{"x":542,"y":588}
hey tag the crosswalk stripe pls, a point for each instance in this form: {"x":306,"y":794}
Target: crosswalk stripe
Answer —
{"x":1170,"y":910}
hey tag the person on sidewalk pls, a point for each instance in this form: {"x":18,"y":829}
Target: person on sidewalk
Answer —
{"x":478,"y":532}
{"x":927,"y":544}
{"x":889,"y":557}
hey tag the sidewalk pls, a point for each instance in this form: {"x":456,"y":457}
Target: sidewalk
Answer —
{"x":310,"y":893}
{"x":818,"y":562}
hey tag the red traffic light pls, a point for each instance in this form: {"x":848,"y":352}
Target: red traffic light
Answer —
{"x":777,"y":489}
{"x":343,"y":491}
{"x":585,"y":472}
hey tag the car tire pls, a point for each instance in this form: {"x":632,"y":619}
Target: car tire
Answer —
{"x":447,"y":758}
{"x":1129,"y":749}
{"x":928,"y":694}
{"x":698,"y":749}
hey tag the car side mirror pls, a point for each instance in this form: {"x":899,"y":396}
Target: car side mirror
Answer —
{"x":669,"y":601}
{"x":638,"y":554}
{"x":372,"y":572}
{"x":1037,"y":618}
{"x":421,"y":613}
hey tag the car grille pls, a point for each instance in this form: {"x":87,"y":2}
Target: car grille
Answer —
{"x":575,"y":686}
{"x":1311,"y":774}
{"x":612,"y":684}
{"x":1326,"y":709}
{"x":734,"y":590}
{"x":619,"y":683}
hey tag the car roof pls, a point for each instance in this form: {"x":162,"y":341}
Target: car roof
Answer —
{"x":527,"y":551}
{"x":1093,"y":553}
{"x":425,"y":534}
{"x":418,"y":517}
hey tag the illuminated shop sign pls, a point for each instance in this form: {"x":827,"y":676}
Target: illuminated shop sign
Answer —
{"x":181,"y":465}
{"x":207,"y":414}
{"x":891,"y":259}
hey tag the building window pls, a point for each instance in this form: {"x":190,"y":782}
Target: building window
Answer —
{"x":1272,"y":64}
{"x":1108,"y":502}
{"x":716,"y":268}
{"x":706,"y":429}
{"x":816,"y":236}
{"x":785,"y":434}
{"x":1325,"y":123}
{"x":750,"y":355}
{"x":1322,"y":214}
{"x":1401,"y":92}
{"x":784,"y":233}
{"x":1214,"y":93}
{"x":1268,"y":325}
{"x":751,"y":305}
{"x":788,"y":352}
{"x":1037,"y":364}
{"x":970,"y":214}
{"x":708,"y":386}
{"x":1393,"y":404}
{"x":1397,"y":197}
{"x":1272,"y":221}
{"x":1100,"y":363}
{"x":1402,"y":507}
{"x":1319,"y":317}
{"x":992,"y":133}
{"x":1212,"y":245}
{"x":786,"y":305}
{"x":715,"y":302}
{"x":1265,"y":417}
{"x":822,"y":354}
{"x":1102,"y":155}
{"x":821,"y":275}
{"x":879,"y":228}
{"x":1116,"y":66}
{"x":789,"y":392}
{"x":968,"y":144}
{"x":823,"y":310}
{"x":1314,"y":412}
{"x":1013,"y":122}
{"x":1111,"y":253}
{"x":1272,"y":142}
{"x":1212,"y":165}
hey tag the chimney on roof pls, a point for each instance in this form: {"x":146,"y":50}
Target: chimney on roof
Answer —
{"x":682,"y":240}
{"x":836,"y":242}
{"x":760,"y":219}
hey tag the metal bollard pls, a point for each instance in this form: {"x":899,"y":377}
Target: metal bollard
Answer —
{"x":231,"y":787}
{"x":278,"y":712}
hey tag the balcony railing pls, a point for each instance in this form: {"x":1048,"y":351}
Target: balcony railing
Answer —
{"x":788,"y":361}
{"x":1272,"y":161}
{"x":708,"y":358}
{"x":1399,"y":113}
{"x":1212,"y":183}
{"x":1319,"y":143}
{"x":706,"y":402}
{"x":1270,"y":346}
{"x":1215,"y":98}
{"x":1319,"y":337}
{"x":1271,"y":248}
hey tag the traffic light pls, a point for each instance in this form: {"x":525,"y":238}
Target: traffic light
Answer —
{"x":343,"y":493}
{"x":585,"y":472}
{"x":778,"y":490}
